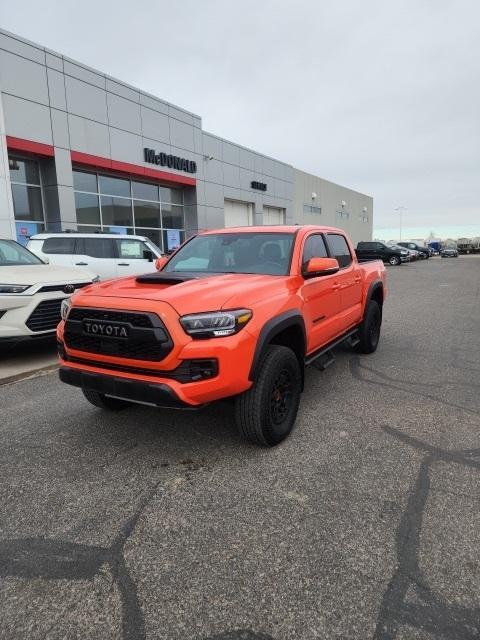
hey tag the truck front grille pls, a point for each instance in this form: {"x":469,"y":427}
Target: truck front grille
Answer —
{"x":45,"y":316}
{"x":136,"y":319}
{"x":148,"y":338}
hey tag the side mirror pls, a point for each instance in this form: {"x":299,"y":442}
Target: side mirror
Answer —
{"x":320,"y":267}
{"x":160,"y":263}
{"x":148,"y":255}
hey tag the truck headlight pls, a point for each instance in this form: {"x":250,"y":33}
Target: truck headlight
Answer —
{"x":215,"y":324}
{"x":65,"y":308}
{"x":14,"y":288}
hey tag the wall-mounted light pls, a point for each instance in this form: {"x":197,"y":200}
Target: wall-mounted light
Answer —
{"x":343,"y":203}
{"x":314,"y":195}
{"x":208,"y":157}
{"x":365,"y":209}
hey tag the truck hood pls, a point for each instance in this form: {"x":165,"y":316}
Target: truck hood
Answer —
{"x":204,"y":293}
{"x":43,"y":274}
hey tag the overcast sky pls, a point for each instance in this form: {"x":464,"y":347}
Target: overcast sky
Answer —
{"x":383,"y":97}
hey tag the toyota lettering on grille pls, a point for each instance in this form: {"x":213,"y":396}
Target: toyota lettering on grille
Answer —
{"x":105,"y":329}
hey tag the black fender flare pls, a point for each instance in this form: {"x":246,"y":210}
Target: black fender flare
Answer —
{"x":374,"y":286}
{"x":270,"y":329}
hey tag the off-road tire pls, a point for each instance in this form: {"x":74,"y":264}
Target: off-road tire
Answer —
{"x":275,"y":392}
{"x":369,"y":330}
{"x":105,"y":402}
{"x":394,"y":261}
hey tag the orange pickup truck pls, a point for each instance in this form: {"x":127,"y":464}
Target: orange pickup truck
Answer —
{"x":234,"y":313}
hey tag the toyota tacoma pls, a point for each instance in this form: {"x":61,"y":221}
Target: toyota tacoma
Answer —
{"x":233,"y":313}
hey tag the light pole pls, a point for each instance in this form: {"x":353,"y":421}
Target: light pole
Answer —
{"x":400,"y":211}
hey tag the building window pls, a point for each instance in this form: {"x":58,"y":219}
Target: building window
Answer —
{"x":311,"y":208}
{"x":27,"y":197}
{"x":343,"y":215}
{"x":119,"y":205}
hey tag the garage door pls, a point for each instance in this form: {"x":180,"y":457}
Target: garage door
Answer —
{"x":272,"y":215}
{"x":238,"y":214}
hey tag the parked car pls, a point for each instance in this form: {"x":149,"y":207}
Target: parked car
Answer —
{"x":381,"y":251}
{"x":412,"y":254}
{"x":31,"y":293}
{"x":109,"y":255}
{"x":424,"y":251}
{"x":449,"y":252}
{"x":233,"y":313}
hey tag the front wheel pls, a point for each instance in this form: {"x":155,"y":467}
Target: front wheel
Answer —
{"x":105,"y":402}
{"x":394,"y":260}
{"x":265,"y":414}
{"x":369,"y":330}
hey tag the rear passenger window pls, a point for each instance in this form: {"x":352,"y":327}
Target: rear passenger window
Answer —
{"x":59,"y":245}
{"x":339,"y":249}
{"x":98,"y":248}
{"x":314,"y":248}
{"x":132,"y":249}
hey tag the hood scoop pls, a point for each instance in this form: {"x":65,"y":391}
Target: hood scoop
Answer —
{"x":168,"y":278}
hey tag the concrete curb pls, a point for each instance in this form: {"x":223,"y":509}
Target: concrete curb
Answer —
{"x":28,"y":374}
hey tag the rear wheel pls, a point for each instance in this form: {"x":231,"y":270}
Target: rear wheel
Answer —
{"x":265,"y":414}
{"x":369,"y":330}
{"x":105,"y":402}
{"x":394,"y":260}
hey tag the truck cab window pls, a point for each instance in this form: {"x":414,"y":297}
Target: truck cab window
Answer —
{"x":339,"y":249}
{"x":314,"y":247}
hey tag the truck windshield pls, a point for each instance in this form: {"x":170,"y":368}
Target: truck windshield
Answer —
{"x":13,"y":254}
{"x":263,"y":252}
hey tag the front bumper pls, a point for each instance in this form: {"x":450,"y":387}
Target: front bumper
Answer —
{"x":158,"y":394}
{"x":232,"y":355}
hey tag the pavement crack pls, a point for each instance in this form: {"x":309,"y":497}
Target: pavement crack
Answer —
{"x":382,"y":380}
{"x":56,"y":559}
{"x":408,"y":599}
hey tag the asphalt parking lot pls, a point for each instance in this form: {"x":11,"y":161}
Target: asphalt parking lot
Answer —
{"x":165,"y":525}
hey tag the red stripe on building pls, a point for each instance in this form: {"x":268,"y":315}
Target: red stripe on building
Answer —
{"x":130,"y":169}
{"x":27,"y":146}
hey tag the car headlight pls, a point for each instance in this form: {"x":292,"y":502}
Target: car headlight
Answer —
{"x":65,"y":308}
{"x":405,"y":253}
{"x":215,"y":324}
{"x":14,"y":288}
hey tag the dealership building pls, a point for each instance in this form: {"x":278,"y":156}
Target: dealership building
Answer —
{"x":82,"y":151}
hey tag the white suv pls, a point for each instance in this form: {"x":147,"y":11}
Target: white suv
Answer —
{"x":110,"y":255}
{"x":31,"y":293}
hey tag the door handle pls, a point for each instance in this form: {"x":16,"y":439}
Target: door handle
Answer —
{"x":123,"y":264}
{"x":81,"y":264}
{"x":335,"y":286}
{"x":358,"y":278}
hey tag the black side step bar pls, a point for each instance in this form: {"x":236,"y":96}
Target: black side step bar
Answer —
{"x":326,"y":350}
{"x":324,"y":361}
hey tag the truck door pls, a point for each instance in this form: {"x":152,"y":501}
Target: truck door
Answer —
{"x":350,"y":281}
{"x":321,"y":297}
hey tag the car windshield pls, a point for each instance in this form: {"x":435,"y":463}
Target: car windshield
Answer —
{"x":13,"y":254}
{"x":251,"y":252}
